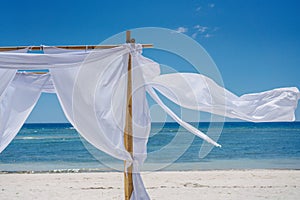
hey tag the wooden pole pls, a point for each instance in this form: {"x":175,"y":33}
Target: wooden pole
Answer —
{"x":128,"y":139}
{"x":74,"y":47}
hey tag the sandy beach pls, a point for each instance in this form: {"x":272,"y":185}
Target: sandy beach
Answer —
{"x":192,"y":185}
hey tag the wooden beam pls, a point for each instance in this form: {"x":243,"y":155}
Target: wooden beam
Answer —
{"x":74,"y":47}
{"x":128,"y":137}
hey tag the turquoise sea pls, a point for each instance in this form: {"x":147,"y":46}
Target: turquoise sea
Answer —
{"x":59,"y":148}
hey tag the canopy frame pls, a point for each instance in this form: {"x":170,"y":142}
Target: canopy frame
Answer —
{"x":73,"y":47}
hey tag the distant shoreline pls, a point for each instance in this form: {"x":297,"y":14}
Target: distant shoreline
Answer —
{"x":170,"y":122}
{"x":205,"y":165}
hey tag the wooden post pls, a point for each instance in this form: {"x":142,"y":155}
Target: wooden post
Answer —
{"x":128,"y":139}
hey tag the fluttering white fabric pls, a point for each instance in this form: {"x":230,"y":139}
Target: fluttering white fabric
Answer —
{"x":83,"y":113}
{"x":91,"y":87}
{"x":17,"y":102}
{"x":198,"y":92}
{"x":6,"y":77}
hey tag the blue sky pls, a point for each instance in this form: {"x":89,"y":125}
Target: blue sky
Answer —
{"x":255,"y":44}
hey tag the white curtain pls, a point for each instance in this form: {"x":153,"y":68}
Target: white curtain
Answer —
{"x":79,"y":109}
{"x":6,"y":75}
{"x":34,"y":61}
{"x":91,"y":87}
{"x":94,"y":100}
{"x":17,"y":102}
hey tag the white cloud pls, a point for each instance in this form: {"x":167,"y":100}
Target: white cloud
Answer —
{"x":203,"y":31}
{"x":211,"y":5}
{"x":181,"y":30}
{"x":200,"y":29}
{"x":198,"y":9}
{"x":207,"y":35}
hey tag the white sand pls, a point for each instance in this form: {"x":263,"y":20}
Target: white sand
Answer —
{"x":208,"y":185}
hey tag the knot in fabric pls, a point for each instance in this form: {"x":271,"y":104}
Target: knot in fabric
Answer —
{"x":134,"y":49}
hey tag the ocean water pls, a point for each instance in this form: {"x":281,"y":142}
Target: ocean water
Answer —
{"x":59,"y":148}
